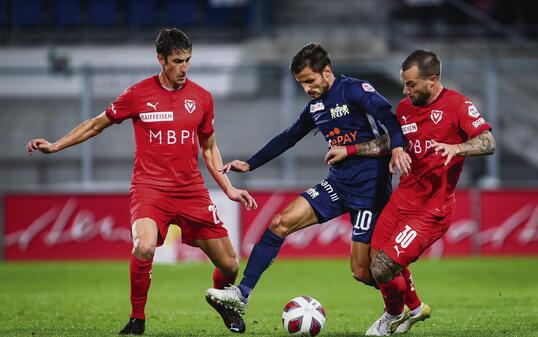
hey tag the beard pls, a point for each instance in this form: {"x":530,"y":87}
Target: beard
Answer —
{"x":421,"y":99}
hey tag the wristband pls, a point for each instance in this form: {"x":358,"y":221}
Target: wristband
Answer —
{"x":351,"y":150}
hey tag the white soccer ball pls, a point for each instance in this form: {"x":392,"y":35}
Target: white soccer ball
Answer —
{"x":303,"y":316}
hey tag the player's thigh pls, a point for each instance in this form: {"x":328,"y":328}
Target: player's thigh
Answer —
{"x":221,"y":253}
{"x":416,"y":233}
{"x":297,"y":215}
{"x":387,"y":223}
{"x":150,"y":216}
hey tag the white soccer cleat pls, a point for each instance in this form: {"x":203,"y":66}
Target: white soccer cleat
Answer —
{"x":423,"y":315}
{"x":230,"y":297}
{"x":387,"y":324}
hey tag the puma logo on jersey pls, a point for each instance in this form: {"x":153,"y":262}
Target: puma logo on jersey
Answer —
{"x":154,"y":106}
{"x":190,"y":105}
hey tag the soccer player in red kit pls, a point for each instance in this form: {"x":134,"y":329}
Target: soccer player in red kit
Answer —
{"x":441,"y":127}
{"x":171,"y":116}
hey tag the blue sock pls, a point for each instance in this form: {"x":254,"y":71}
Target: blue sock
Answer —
{"x":261,"y":257}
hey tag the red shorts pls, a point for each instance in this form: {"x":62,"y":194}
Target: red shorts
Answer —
{"x":196,"y":215}
{"x":404,"y":235}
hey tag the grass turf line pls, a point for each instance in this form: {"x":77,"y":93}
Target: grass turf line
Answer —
{"x":469,"y":297}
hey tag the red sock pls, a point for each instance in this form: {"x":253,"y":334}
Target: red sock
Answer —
{"x":393,"y":294}
{"x":411,"y":297}
{"x":220,"y":280}
{"x":140,"y":281}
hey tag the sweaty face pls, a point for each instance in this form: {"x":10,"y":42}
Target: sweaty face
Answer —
{"x":417,"y":89}
{"x":175,"y":68}
{"x":314,"y":84}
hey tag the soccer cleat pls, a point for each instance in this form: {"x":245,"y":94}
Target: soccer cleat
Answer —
{"x":386,"y":325}
{"x":135,"y":326}
{"x":230,"y":297}
{"x":423,"y":315}
{"x":230,"y":314}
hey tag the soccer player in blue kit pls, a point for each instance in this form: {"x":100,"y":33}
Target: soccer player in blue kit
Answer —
{"x":353,"y":118}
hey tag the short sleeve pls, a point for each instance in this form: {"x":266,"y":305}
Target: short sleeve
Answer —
{"x":121,"y":108}
{"x":470,"y":121}
{"x":205,"y":130}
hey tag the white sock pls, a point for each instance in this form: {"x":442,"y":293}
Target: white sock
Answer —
{"x":417,"y":310}
{"x":394,"y":316}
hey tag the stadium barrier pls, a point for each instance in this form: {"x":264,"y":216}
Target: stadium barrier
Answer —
{"x":96,"y":226}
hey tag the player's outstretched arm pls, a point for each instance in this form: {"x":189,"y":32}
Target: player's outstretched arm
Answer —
{"x":79,"y":134}
{"x":378,"y":147}
{"x":483,"y":144}
{"x":213,"y":162}
{"x":235,"y":166}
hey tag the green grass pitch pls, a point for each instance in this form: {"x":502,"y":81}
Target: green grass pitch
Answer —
{"x":469,"y":297}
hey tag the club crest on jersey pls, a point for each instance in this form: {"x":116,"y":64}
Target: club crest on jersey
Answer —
{"x":190,"y":105}
{"x":436,"y":116}
{"x":316,"y":107}
{"x":339,"y":111}
{"x":472,"y":110}
{"x":368,"y":87}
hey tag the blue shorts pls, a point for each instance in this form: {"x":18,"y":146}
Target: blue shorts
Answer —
{"x":329,"y":202}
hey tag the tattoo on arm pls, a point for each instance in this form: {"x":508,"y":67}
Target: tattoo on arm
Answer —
{"x":384,"y":268}
{"x":482,"y":144}
{"x":378,"y":147}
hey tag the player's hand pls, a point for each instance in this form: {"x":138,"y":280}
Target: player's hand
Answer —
{"x":447,"y":150}
{"x":39,"y":144}
{"x":235,"y":166}
{"x":243,"y":197}
{"x":335,"y":155}
{"x":401,"y":161}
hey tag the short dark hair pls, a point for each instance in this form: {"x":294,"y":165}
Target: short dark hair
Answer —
{"x":428,"y":63}
{"x":170,"y":40}
{"x":312,"y":55}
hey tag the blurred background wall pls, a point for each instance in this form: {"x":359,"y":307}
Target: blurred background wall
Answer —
{"x":63,"y":61}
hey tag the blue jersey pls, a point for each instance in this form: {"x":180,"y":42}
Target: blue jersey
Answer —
{"x":350,"y":112}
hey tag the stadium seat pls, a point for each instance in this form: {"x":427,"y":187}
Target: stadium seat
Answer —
{"x":2,"y":12}
{"x":28,"y":13}
{"x":181,"y":13}
{"x":227,"y":14}
{"x":66,"y":13}
{"x":102,"y":12}
{"x":142,"y":12}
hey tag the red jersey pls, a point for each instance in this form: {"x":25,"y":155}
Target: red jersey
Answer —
{"x":452,"y":119}
{"x":167,"y":125}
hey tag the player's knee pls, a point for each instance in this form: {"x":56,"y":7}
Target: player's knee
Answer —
{"x":279,"y":226}
{"x":143,"y":250}
{"x":363,"y":274}
{"x":381,"y":272}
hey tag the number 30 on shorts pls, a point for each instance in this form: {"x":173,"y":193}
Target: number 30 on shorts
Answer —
{"x":213,"y":210}
{"x":406,"y":236}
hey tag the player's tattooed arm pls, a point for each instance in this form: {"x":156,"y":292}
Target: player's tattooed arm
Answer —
{"x":384,"y":268}
{"x":483,"y":144}
{"x":377,"y":147}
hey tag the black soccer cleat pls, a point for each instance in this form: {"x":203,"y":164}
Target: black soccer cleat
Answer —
{"x":233,"y":320}
{"x":135,"y":326}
